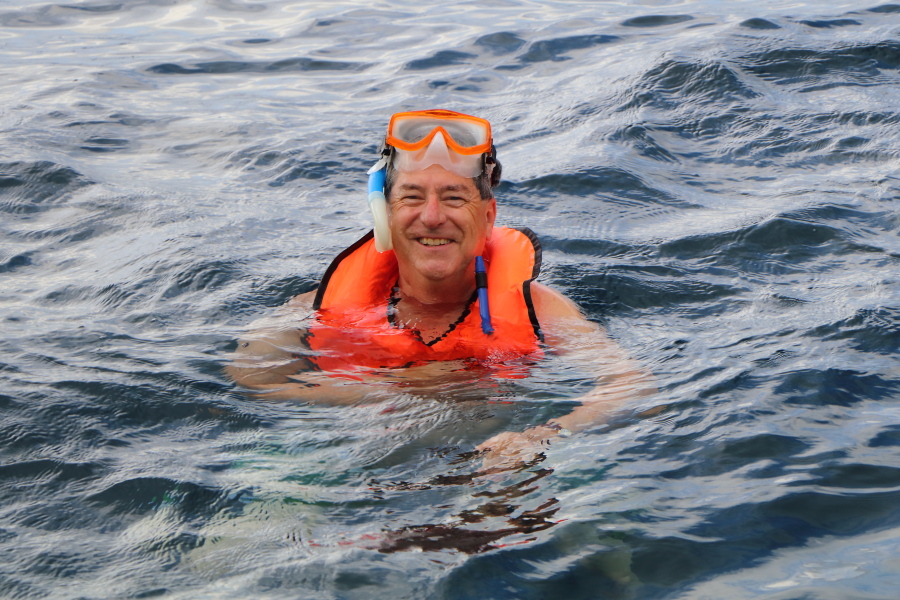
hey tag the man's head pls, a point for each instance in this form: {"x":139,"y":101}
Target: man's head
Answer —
{"x":457,"y":144}
{"x":441,"y":168}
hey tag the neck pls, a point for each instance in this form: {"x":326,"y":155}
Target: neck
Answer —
{"x":429,"y":321}
{"x":437,"y":294}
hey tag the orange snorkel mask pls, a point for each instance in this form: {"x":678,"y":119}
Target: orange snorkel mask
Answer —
{"x":439,"y":137}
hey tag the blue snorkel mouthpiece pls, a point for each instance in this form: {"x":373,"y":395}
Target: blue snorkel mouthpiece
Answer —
{"x":376,"y":182}
{"x":481,"y":285}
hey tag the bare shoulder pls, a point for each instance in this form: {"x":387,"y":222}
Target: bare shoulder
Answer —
{"x":558,"y":315}
{"x":569,"y":332}
{"x":550,"y":303}
{"x":301,"y":301}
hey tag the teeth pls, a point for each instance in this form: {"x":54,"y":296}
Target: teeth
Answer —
{"x":434,"y":241}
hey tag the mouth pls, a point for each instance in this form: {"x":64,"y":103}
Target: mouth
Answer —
{"x":425,"y":241}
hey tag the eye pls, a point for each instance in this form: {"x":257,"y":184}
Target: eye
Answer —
{"x":454,"y":201}
{"x":411,"y":199}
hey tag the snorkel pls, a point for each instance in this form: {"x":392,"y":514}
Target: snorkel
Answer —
{"x":378,"y":206}
{"x":481,"y":285}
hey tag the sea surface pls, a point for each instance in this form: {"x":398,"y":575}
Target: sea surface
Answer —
{"x":715,"y":183}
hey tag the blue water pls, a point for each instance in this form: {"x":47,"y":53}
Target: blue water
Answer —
{"x":716,"y":183}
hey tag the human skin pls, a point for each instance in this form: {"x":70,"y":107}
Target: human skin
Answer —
{"x":439,"y":223}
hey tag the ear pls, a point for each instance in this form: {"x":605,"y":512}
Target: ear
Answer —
{"x":491,"y":215}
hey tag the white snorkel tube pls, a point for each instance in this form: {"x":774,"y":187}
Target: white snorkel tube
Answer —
{"x":378,"y":206}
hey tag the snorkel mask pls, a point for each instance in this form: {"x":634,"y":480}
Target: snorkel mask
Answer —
{"x":417,"y":140}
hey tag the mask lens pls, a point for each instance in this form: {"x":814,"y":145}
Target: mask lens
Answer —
{"x":412,"y":131}
{"x":464,"y":134}
{"x":467,"y":135}
{"x":437,"y":153}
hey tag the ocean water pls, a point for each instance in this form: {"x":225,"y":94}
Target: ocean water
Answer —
{"x":716,"y":183}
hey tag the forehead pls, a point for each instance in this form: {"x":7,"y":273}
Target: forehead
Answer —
{"x":434,"y":179}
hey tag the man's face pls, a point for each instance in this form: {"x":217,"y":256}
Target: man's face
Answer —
{"x":439,"y":223}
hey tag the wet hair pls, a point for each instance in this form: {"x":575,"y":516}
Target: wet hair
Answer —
{"x":488,"y":179}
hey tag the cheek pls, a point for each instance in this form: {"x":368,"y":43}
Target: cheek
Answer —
{"x":478,"y":221}
{"x":395,"y":215}
{"x":399,"y":221}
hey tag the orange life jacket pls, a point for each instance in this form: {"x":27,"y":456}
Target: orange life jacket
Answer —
{"x":352,"y":329}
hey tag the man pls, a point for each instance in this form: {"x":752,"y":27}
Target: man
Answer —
{"x":433,"y":288}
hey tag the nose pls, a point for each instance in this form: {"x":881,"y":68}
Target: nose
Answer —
{"x":432,"y":215}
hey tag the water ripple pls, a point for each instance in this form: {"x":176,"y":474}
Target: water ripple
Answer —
{"x":717,"y":190}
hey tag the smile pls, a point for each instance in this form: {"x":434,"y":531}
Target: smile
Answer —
{"x":434,"y":241}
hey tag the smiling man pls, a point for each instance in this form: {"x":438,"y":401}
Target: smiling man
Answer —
{"x":436,"y":283}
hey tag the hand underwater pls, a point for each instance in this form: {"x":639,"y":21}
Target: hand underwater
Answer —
{"x":510,"y":448}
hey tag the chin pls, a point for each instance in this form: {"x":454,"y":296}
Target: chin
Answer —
{"x":435,"y":274}
{"x":437,"y":271}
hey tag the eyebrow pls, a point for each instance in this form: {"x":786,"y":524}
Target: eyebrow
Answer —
{"x":453,"y":187}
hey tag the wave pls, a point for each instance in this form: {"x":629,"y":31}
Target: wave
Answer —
{"x":815,"y":69}
{"x":226,"y":67}
{"x":31,"y":187}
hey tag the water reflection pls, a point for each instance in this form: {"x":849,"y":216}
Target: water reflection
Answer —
{"x":456,"y":535}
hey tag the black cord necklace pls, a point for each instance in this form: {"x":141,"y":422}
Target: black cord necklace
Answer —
{"x":392,"y":316}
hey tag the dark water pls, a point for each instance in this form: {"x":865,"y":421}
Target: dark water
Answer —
{"x":716,"y":183}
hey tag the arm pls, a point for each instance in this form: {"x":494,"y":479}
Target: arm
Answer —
{"x":618,"y":378}
{"x":270,"y":359}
